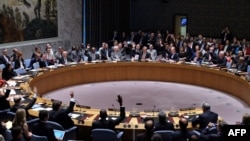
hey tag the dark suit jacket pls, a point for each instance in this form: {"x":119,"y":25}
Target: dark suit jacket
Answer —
{"x":181,"y":135}
{"x":4,"y":104}
{"x":61,"y":116}
{"x":103,"y":54}
{"x":221,"y":61}
{"x":164,"y":126}
{"x":204,"y":119}
{"x":26,"y":107}
{"x":18,"y":65}
{"x":89,"y":54}
{"x":109,"y":124}
{"x":62,"y":61}
{"x":146,"y":57}
{"x":2,"y":60}
{"x":174,"y":57}
{"x":42,"y":129}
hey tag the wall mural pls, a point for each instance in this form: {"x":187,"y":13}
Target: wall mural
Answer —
{"x":24,"y":20}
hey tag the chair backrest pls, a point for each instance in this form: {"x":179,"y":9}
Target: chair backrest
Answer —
{"x":38,"y":138}
{"x":103,"y":135}
{"x":32,"y":121}
{"x":11,"y":115}
{"x":36,"y":65}
{"x":166,"y":135}
{"x":55,"y":125}
{"x":4,"y":114}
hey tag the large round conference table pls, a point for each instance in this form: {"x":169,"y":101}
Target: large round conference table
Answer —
{"x":84,"y":73}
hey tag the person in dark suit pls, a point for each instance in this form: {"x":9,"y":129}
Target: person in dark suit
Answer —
{"x":35,"y":59}
{"x":65,"y":59}
{"x":183,"y":134}
{"x":173,"y":55}
{"x":206,"y":117}
{"x":144,"y":55}
{"x":105,"y":52}
{"x":43,"y":129}
{"x":4,"y":103}
{"x":163,"y":123}
{"x":105,"y":123}
{"x":8,"y":72}
{"x":221,"y":59}
{"x":19,"y":62}
{"x":18,"y":104}
{"x":60,"y":115}
{"x":4,"y":58}
{"x":149,"y":131}
{"x":92,"y":55}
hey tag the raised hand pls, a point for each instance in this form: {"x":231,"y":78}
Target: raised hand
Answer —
{"x":119,"y":99}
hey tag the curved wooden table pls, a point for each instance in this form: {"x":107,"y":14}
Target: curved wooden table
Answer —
{"x":178,"y":73}
{"x":103,"y":72}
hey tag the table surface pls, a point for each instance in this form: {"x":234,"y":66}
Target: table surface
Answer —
{"x":55,"y":78}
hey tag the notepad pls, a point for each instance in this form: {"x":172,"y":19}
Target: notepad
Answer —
{"x":59,"y":134}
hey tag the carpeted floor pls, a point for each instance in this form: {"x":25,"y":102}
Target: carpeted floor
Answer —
{"x":158,"y":95}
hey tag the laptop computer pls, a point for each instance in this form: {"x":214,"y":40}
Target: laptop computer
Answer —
{"x":59,"y":134}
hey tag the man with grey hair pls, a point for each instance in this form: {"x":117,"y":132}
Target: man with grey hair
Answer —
{"x":205,"y":118}
{"x":163,"y":123}
{"x":221,"y":60}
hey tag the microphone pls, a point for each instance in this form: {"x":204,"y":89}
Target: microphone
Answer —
{"x":114,"y":108}
{"x":81,"y":112}
{"x":154,"y":110}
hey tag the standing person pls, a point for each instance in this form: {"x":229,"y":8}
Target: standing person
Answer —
{"x":206,"y":117}
{"x":225,"y":35}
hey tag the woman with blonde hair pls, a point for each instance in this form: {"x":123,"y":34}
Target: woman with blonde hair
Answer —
{"x":20,"y":120}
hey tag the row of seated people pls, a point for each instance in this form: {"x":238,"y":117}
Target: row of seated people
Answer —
{"x":220,"y":58}
{"x":235,"y":52}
